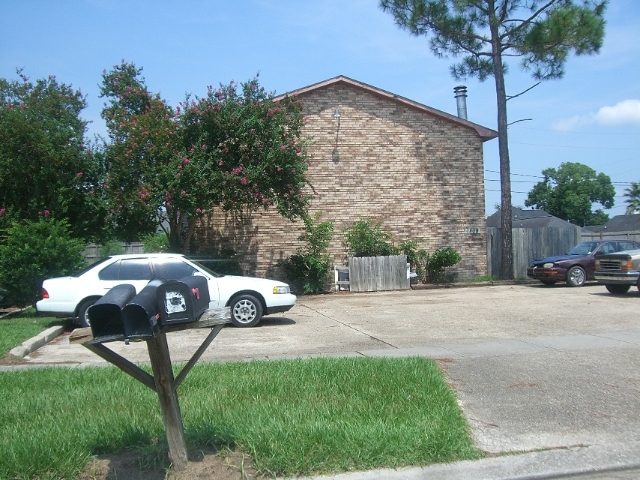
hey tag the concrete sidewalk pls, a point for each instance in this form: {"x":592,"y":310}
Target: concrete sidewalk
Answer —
{"x":549,"y":378}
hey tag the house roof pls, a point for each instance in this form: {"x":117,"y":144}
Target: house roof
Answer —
{"x":528,"y":219}
{"x":619,"y":223}
{"x":484,"y":133}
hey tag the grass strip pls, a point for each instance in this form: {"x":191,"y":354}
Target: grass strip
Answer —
{"x":19,"y":327}
{"x":295,"y":417}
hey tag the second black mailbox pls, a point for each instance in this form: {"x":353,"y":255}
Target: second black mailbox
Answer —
{"x":105,"y":316}
{"x":183,"y":301}
{"x":140,"y":316}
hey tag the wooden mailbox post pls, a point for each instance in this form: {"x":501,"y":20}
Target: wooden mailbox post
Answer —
{"x":163,"y":381}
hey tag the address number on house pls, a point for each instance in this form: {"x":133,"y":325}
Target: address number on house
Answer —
{"x":472,"y":230}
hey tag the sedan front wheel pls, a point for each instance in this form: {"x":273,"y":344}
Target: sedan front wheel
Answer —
{"x":246,"y":311}
{"x":576,"y":277}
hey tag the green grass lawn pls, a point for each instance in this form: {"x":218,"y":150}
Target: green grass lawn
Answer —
{"x":294,"y":417}
{"x":20,"y":327}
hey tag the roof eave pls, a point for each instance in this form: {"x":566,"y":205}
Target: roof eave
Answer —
{"x":483,"y":132}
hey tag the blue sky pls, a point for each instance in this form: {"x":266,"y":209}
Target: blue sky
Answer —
{"x":591,"y":116}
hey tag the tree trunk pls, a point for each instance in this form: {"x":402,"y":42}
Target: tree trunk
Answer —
{"x":506,"y":268}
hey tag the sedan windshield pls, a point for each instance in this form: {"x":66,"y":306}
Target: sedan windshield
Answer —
{"x":584,"y":248}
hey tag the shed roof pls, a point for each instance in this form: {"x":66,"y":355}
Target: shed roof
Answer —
{"x":484,"y":133}
{"x":529,"y":219}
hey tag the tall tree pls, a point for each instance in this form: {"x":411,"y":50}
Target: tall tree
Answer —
{"x":570,"y":192}
{"x":633,"y":198}
{"x":235,"y":149}
{"x":485,"y":32}
{"x":48,"y":170}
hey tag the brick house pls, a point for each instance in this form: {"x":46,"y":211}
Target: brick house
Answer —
{"x":378,"y":156}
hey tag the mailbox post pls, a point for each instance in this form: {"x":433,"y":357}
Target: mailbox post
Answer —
{"x":121,"y":316}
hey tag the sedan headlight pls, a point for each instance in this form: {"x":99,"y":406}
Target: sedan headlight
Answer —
{"x":548,"y":265}
{"x":281,"y":289}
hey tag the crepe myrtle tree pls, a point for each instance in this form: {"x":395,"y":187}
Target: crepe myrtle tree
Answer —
{"x":143,"y":149}
{"x":235,"y":149}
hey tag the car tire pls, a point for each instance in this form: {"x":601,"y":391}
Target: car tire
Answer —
{"x":246,"y":311}
{"x":83,"y":319}
{"x":576,"y":277}
{"x":618,"y":289}
{"x":548,"y":282}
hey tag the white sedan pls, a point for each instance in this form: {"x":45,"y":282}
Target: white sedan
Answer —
{"x":249,"y":298}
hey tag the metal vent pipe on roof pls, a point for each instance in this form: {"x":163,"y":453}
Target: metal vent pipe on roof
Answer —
{"x":460,"y":93}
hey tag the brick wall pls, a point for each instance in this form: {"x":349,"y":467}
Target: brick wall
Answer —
{"x":418,"y":174}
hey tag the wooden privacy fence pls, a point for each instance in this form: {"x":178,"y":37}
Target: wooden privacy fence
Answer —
{"x":92,"y":252}
{"x":604,"y":235}
{"x":374,"y":274}
{"x":529,"y":244}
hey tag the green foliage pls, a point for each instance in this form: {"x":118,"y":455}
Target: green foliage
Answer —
{"x":48,"y":170}
{"x":414,"y":256}
{"x":363,"y":239}
{"x":112,"y":247}
{"x":436,"y":262}
{"x":155,"y":243}
{"x":570,"y":191}
{"x":236,"y":149}
{"x":541,"y":36}
{"x":35,"y":251}
{"x":633,"y":198}
{"x":308,"y":269}
{"x":296,"y":418}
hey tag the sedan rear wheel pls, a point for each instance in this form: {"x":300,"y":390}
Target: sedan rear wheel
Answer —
{"x":246,"y":311}
{"x":83,"y":318}
{"x":576,"y":277}
{"x":618,"y":289}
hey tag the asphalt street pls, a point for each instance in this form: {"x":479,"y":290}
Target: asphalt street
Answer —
{"x":548,"y":377}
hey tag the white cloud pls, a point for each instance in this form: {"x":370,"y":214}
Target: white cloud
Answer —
{"x":626,"y":112}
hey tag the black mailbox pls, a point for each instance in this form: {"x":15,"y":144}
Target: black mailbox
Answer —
{"x":140,"y":316}
{"x":105,"y":316}
{"x":183,"y":301}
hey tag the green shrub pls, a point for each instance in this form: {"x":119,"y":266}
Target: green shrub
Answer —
{"x":362,"y":239}
{"x":308,"y":269}
{"x":112,"y":247}
{"x":410,"y":249}
{"x":33,"y":252}
{"x":156,"y":243}
{"x":435,"y":263}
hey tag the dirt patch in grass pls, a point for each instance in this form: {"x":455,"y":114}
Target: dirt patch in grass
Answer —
{"x":203,"y":464}
{"x":9,"y":359}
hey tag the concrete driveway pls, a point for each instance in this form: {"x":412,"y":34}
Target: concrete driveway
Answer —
{"x":534,"y":367}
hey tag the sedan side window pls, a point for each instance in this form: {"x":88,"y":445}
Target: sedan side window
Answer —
{"x":170,"y":269}
{"x":111,"y":272}
{"x":135,"y":269}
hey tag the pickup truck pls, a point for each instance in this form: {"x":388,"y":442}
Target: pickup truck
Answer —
{"x":618,"y":271}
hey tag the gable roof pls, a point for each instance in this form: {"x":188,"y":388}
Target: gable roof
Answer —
{"x":528,"y":219}
{"x":484,"y":133}
{"x":619,"y":223}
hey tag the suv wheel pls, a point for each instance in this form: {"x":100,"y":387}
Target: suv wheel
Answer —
{"x":618,"y":289}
